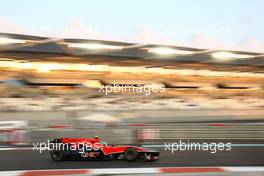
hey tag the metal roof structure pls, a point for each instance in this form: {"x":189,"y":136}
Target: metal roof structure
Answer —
{"x":112,"y":51}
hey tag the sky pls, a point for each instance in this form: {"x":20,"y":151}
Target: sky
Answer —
{"x":216,"y":24}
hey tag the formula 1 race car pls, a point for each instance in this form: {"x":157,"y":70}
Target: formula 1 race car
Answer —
{"x":93,"y":148}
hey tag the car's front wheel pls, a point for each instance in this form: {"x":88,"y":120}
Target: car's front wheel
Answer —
{"x":131,"y":154}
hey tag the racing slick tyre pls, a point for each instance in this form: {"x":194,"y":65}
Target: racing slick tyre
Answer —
{"x":131,"y":154}
{"x":57,"y":155}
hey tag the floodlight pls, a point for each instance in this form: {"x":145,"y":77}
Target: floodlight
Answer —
{"x":226,"y":56}
{"x":94,"y":46}
{"x":169,"y":51}
{"x":6,"y":41}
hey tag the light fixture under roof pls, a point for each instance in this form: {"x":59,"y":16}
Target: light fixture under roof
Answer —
{"x":7,"y":41}
{"x":226,"y":56}
{"x":169,"y":51}
{"x":95,"y":46}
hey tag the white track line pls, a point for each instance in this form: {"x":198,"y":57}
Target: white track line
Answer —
{"x":135,"y":170}
{"x":244,"y":169}
{"x":125,"y":171}
{"x":15,"y":148}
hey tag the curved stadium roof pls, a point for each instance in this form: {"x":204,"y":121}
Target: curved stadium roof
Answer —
{"x":159,"y":54}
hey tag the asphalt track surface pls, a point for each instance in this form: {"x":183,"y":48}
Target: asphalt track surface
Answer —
{"x":245,"y":155}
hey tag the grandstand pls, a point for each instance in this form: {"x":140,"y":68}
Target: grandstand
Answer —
{"x":39,"y":73}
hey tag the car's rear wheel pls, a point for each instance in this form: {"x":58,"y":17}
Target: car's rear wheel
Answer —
{"x":57,"y":155}
{"x":131,"y":154}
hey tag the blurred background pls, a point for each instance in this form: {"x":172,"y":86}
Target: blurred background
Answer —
{"x":53,"y":81}
{"x":61,"y":83}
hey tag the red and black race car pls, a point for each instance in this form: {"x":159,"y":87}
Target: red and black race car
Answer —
{"x":94,"y":148}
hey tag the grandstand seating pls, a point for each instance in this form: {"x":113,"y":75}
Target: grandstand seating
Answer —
{"x":117,"y":103}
